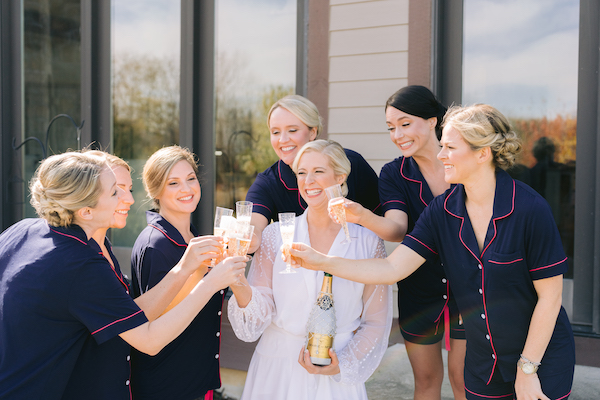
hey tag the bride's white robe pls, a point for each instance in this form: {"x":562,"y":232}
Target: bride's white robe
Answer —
{"x":279,"y":310}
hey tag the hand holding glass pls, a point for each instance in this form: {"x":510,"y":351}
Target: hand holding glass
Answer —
{"x":336,"y":204}
{"x":239,"y":241}
{"x":287,"y":224}
{"x":220,"y":227}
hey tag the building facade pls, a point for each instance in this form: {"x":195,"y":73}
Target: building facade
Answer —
{"x":131,"y":77}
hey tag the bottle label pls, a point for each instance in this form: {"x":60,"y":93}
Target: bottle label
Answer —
{"x":318,"y":345}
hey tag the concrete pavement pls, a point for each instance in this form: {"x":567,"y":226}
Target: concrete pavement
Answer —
{"x":393,"y":379}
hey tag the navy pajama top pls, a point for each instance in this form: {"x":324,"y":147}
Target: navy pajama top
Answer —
{"x":494,"y":289}
{"x":56,"y":295}
{"x":425,"y":293}
{"x":275,"y":190}
{"x":188,"y":367}
{"x":94,"y":372}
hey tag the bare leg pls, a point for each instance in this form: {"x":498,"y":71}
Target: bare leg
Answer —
{"x":456,"y":367}
{"x":428,"y":369}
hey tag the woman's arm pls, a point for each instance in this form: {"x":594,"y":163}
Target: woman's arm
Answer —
{"x":392,"y":227}
{"x":181,"y":279}
{"x":251,"y":307}
{"x":152,"y":336}
{"x":260,"y":222}
{"x":543,"y":321}
{"x":401,"y":263}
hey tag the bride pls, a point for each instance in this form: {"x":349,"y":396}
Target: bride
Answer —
{"x":277,"y":306}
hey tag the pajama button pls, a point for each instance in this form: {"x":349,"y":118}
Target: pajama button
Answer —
{"x":216,"y":356}
{"x":494,"y":356}
{"x":222,"y":291}
{"x":127,"y":382}
{"x":218,"y":334}
{"x":480,"y":291}
{"x":444,"y":297}
{"x":443,"y":280}
{"x":487,"y":337}
{"x":128,"y":358}
{"x":482,"y":316}
{"x":219,"y":313}
{"x":479,"y":266}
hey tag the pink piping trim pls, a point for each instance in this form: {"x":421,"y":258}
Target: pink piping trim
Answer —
{"x":71,"y":236}
{"x":168,"y":237}
{"x":566,"y":395}
{"x":505,"y":262}
{"x":286,"y":186}
{"x":393,"y":201}
{"x":256,"y":204}
{"x":412,"y":180}
{"x":414,"y":238}
{"x":548,"y":266}
{"x":117,"y":321}
{"x":488,"y":397}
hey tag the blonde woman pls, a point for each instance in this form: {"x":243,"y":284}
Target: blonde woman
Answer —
{"x":275,"y":307}
{"x":57,"y":293}
{"x":189,"y":368}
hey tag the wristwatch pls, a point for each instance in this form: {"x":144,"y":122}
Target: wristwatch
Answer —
{"x":528,"y":367}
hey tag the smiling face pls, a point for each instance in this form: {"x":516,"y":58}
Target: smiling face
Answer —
{"x":181,"y":193}
{"x":124,"y":184}
{"x":457,"y":156}
{"x":315,"y":173}
{"x":288,"y":134}
{"x":409,"y":132}
{"x":103,"y":214}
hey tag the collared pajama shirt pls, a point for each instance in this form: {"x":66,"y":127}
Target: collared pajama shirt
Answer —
{"x":93,"y":374}
{"x":56,"y":294}
{"x":275,"y":190}
{"x":494,"y":288}
{"x":425,"y":295}
{"x":188,"y":367}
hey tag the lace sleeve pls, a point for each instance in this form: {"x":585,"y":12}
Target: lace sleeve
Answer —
{"x":249,"y":322}
{"x":362,"y":355}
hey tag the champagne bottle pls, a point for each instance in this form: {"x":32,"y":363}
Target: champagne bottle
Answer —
{"x":321,"y":325}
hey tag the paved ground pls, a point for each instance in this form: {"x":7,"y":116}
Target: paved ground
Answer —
{"x":394,"y":380}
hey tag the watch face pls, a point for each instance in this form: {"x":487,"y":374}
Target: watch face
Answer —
{"x":528,"y":368}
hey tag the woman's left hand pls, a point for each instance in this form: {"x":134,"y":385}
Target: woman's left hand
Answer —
{"x":331,"y":369}
{"x":528,"y":387}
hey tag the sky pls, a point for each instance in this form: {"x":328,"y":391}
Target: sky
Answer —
{"x":521,"y":56}
{"x":260,"y":35}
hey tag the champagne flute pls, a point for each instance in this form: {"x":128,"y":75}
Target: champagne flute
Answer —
{"x":239,"y":238}
{"x":336,"y":204}
{"x":287,"y":224}
{"x":220,"y":227}
{"x":243,"y":211}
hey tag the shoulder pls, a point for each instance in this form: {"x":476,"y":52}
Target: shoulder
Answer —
{"x":392,"y":167}
{"x":355,"y":158}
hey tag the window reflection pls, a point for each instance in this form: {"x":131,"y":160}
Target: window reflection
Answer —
{"x":51,"y":80}
{"x":521,"y":57}
{"x":146,"y":36}
{"x":254,"y":68}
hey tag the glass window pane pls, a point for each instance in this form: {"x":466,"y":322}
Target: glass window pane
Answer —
{"x":51,"y":80}
{"x":146,"y":36}
{"x":254,"y":67}
{"x":521,"y":57}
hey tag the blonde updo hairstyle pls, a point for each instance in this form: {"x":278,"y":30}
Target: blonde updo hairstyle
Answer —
{"x":65,"y":183}
{"x":302,"y":108}
{"x":157,"y":168}
{"x":111,"y":159}
{"x":481,"y":126}
{"x":334,"y":152}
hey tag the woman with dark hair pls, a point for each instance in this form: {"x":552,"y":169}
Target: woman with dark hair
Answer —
{"x":427,"y":310}
{"x":294,"y":121}
{"x":500,"y":247}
